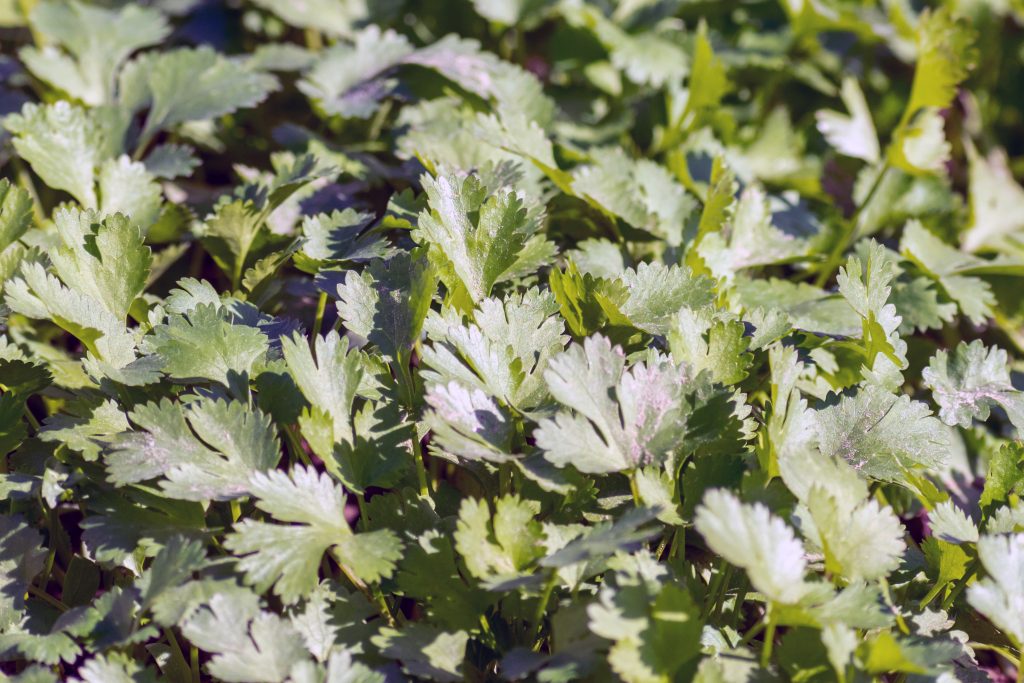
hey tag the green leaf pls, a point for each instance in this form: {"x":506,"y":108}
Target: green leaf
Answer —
{"x":621,"y":419}
{"x":387,"y":303}
{"x":425,"y":651}
{"x":333,"y":18}
{"x":950,"y":268}
{"x":22,"y":553}
{"x":189,"y":84}
{"x":969,"y":382}
{"x":95,"y":41}
{"x":702,"y":343}
{"x":655,"y":293}
{"x":881,"y":435}
{"x":113,"y":669}
{"x":288,"y":557}
{"x":205,"y":344}
{"x":206,"y":451}
{"x":1003,"y":476}
{"x":501,"y":547}
{"x":329,"y":379}
{"x":852,"y":135}
{"x":861,"y":543}
{"x":341,"y":236}
{"x":478,"y":250}
{"x":655,"y":628}
{"x":865,"y":284}
{"x":247,"y":643}
{"x":709,"y":79}
{"x":504,"y":352}
{"x":15,"y":213}
{"x":36,"y":294}
{"x":996,"y":200}
{"x":641,"y":193}
{"x":468,"y":423}
{"x":88,"y":432}
{"x":944,"y":57}
{"x":66,"y":144}
{"x":997,"y":595}
{"x":750,"y":537}
{"x":349,"y":80}
{"x":104,"y":259}
{"x":728,"y":251}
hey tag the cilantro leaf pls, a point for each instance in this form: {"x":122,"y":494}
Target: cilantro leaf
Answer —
{"x":288,"y":557}
{"x":971,"y":380}
{"x":614,"y":426}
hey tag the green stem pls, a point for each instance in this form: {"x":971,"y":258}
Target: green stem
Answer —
{"x":193,"y":656}
{"x":25,"y":181}
{"x":33,"y":422}
{"x":314,"y":41}
{"x":714,"y":588}
{"x":48,"y":567}
{"x":47,"y":598}
{"x":177,"y":655}
{"x":405,"y":388}
{"x":959,"y":588}
{"x":542,"y":607}
{"x":362,"y":510}
{"x":1007,"y":327}
{"x":835,"y":257}
{"x":769,"y":638}
{"x":663,"y":543}
{"x":1002,"y":652}
{"x":147,"y":136}
{"x":375,"y":599}
{"x":633,"y":489}
{"x":504,"y":479}
{"x":421,"y":470}
{"x":895,"y":610}
{"x":236,"y":510}
{"x":321,"y":307}
{"x":295,"y":446}
{"x":754,"y":631}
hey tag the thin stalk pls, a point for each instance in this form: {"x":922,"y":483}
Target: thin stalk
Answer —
{"x":542,"y":607}
{"x":406,"y":390}
{"x":314,"y":41}
{"x":713,"y":589}
{"x":633,"y":489}
{"x":1006,"y":325}
{"x":178,"y":655}
{"x":362,"y":510}
{"x":48,"y":567}
{"x":375,"y":599}
{"x":959,"y":587}
{"x":504,"y":479}
{"x":25,"y":181}
{"x":663,"y":543}
{"x":193,"y":656}
{"x":295,"y":446}
{"x":1002,"y":652}
{"x":723,"y":587}
{"x":421,"y":470}
{"x":32,"y":420}
{"x":236,"y":510}
{"x":321,"y":307}
{"x":769,"y":638}
{"x":47,"y":598}
{"x":377,"y":124}
{"x":895,"y":610}
{"x":835,"y":257}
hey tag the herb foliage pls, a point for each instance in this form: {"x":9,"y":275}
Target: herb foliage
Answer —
{"x":511,"y":340}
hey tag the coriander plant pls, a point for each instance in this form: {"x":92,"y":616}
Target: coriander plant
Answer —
{"x":511,"y":340}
